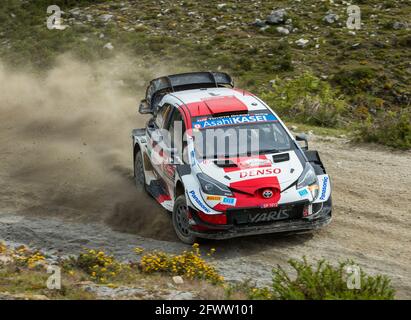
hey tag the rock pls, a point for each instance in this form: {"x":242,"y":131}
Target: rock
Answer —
{"x":22,"y":296}
{"x":221,"y":5}
{"x":331,"y":18}
{"x":106,"y":17}
{"x":5,"y":259}
{"x":107,"y":292}
{"x":397,"y":25}
{"x":302,"y":42}
{"x":282,"y":30}
{"x":108,"y":46}
{"x":259,"y":23}
{"x":276,"y":16}
{"x":58,"y":25}
{"x":352,"y":33}
{"x":179,"y":295}
{"x":221,"y":28}
{"x":178,"y":280}
{"x":294,"y":128}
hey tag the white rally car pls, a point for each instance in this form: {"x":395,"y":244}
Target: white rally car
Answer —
{"x":223,"y":163}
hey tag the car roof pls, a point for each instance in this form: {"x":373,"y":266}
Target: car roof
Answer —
{"x":214,"y":101}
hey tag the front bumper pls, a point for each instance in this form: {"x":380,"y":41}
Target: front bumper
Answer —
{"x":315,"y":221}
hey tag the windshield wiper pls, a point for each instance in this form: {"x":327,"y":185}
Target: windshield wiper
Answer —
{"x":264,"y":151}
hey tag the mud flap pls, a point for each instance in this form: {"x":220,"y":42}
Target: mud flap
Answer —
{"x":156,"y":189}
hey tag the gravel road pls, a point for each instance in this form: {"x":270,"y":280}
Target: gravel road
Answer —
{"x":371,"y":224}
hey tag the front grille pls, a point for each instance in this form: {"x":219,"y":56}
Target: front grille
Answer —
{"x":258,"y":216}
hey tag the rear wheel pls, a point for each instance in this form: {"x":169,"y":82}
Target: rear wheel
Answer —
{"x":181,"y":221}
{"x":139,"y":176}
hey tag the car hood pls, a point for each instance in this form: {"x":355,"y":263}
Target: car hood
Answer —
{"x":248,"y":174}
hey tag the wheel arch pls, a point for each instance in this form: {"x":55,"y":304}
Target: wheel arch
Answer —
{"x":179,"y":189}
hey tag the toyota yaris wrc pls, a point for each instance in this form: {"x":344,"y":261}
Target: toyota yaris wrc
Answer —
{"x":223,"y":163}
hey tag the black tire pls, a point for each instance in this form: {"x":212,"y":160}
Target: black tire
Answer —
{"x":180,"y":221}
{"x":139,"y":176}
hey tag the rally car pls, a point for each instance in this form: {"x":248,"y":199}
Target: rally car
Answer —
{"x":223,"y":163}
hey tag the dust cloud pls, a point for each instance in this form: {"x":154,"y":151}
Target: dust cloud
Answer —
{"x":65,"y":140}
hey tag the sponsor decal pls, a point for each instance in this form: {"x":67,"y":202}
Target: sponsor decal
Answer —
{"x":213,"y":198}
{"x":324,"y":188}
{"x":255,"y":163}
{"x":198,"y":201}
{"x":229,"y":201}
{"x":313,"y":187}
{"x":269,"y":216}
{"x":260,"y":172}
{"x":227,"y":121}
{"x":303,"y":192}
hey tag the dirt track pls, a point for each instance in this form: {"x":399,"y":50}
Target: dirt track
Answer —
{"x":65,"y":177}
{"x":371,"y":224}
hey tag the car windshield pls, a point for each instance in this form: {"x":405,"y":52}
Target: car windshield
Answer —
{"x":262,"y":134}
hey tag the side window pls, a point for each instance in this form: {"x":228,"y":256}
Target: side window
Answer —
{"x":177,"y":130}
{"x":163,"y":115}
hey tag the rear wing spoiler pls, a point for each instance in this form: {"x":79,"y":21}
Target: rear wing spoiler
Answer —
{"x":183,"y":81}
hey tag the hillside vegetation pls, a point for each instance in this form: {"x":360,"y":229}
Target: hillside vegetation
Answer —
{"x":298,"y":55}
{"x":93,"y":274}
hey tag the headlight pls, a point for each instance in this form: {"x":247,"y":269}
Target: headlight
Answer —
{"x":211,"y":186}
{"x":309,"y":179}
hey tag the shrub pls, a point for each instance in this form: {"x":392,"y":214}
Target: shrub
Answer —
{"x":97,"y":264}
{"x":355,"y":80}
{"x":3,"y":248}
{"x":391,"y":128}
{"x":24,"y":257}
{"x":307,"y":99}
{"x":188,"y":264}
{"x":321,"y":282}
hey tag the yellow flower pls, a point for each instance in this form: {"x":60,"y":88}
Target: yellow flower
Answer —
{"x":139,"y":250}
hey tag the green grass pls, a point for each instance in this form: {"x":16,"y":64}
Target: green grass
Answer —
{"x":321,"y":281}
{"x":374,"y":76}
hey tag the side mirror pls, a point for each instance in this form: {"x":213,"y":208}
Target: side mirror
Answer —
{"x":144,"y":107}
{"x":302,"y":137}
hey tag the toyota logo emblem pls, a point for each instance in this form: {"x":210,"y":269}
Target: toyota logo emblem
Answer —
{"x":267,"y":194}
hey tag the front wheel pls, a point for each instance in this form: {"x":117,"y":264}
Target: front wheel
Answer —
{"x":181,"y":221}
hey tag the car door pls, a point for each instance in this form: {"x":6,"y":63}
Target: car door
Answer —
{"x":174,"y":144}
{"x":157,"y":139}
